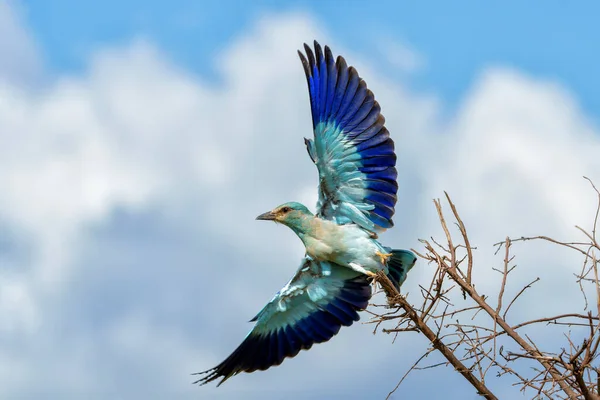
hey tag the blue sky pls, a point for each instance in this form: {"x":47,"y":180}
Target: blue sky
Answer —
{"x":458,"y":39}
{"x":139,"y":140}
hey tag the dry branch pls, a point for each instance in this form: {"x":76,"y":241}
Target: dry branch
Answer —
{"x":468,"y":336}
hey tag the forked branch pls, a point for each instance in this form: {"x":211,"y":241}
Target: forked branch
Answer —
{"x":477,"y":338}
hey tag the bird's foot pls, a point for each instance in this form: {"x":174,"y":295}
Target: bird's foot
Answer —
{"x":383,"y":256}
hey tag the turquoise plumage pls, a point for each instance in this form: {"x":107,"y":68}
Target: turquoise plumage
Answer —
{"x":352,"y":148}
{"x":355,"y":157}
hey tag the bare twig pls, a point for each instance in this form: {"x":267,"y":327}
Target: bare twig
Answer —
{"x":477,"y":338}
{"x":433,"y":338}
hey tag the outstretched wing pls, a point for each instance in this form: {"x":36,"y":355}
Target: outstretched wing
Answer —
{"x":352,"y":148}
{"x":310,"y":308}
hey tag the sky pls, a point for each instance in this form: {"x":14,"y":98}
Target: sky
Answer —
{"x":139,"y":140}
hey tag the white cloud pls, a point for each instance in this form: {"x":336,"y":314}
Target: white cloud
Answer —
{"x":513,"y":160}
{"x":188,"y":164}
{"x":20,"y":61}
{"x":401,"y":55}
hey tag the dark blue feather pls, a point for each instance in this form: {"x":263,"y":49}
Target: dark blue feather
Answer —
{"x":387,"y":173}
{"x":307,"y":65}
{"x":280,"y":343}
{"x":381,"y":221}
{"x":386,"y":199}
{"x":356,"y":299}
{"x":322,"y":68}
{"x":287,"y":346}
{"x":386,"y":160}
{"x":382,"y":210}
{"x":331,"y":321}
{"x":353,"y":82}
{"x":304,"y":328}
{"x":249,"y":354}
{"x":372,"y":169}
{"x":358,"y":136}
{"x":331,"y":81}
{"x":313,"y":84}
{"x":322,"y":325}
{"x":385,"y":148}
{"x":382,"y":185}
{"x":346,"y":308}
{"x":362,"y":111}
{"x":399,"y":264}
{"x":265,"y":356}
{"x":340,"y":314}
{"x":357,"y":101}
{"x":373,"y":141}
{"x":302,"y":337}
{"x":311,"y":327}
{"x":341,"y":84}
{"x":294,"y":341}
{"x":371,"y":117}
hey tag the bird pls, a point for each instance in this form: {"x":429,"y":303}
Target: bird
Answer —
{"x":356,"y":163}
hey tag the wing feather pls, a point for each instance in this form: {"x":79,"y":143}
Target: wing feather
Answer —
{"x":320,"y":299}
{"x":352,"y":148}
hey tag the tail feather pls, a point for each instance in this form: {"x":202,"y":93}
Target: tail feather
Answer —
{"x":398,"y":265}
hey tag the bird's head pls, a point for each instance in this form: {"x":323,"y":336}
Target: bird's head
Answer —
{"x":291,"y":214}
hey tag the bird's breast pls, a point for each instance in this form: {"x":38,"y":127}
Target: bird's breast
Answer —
{"x":319,"y":250}
{"x":325,"y":240}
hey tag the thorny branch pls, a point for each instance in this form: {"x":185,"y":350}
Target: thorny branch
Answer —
{"x":478,"y":338}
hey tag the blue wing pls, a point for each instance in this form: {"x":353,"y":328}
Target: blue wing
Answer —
{"x":310,"y":308}
{"x":352,"y":148}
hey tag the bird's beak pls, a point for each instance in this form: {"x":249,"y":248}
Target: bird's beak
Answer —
{"x":268,"y":216}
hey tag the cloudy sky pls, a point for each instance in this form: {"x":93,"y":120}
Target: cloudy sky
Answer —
{"x":139,"y":140}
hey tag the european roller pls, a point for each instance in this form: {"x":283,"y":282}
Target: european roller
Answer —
{"x":355,"y":158}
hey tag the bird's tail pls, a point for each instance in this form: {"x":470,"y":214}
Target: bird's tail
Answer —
{"x":398,"y":265}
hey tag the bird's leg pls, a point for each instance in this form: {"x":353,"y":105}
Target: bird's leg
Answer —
{"x":359,"y":268}
{"x":383,"y":256}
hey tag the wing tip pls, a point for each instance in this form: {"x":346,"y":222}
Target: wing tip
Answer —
{"x":328,"y":52}
{"x":315,"y":54}
{"x":212,"y":374}
{"x":309,"y":54}
{"x":318,"y":51}
{"x":305,"y":64}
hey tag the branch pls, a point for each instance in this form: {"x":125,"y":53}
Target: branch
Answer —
{"x":470,"y":290}
{"x":395,"y":297}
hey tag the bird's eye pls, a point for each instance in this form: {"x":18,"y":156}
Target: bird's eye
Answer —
{"x":285,"y":210}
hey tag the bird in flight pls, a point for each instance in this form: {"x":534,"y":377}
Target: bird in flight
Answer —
{"x":355,"y":158}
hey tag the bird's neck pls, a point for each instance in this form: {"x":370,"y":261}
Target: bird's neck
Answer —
{"x":311,"y":227}
{"x":302,"y":226}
